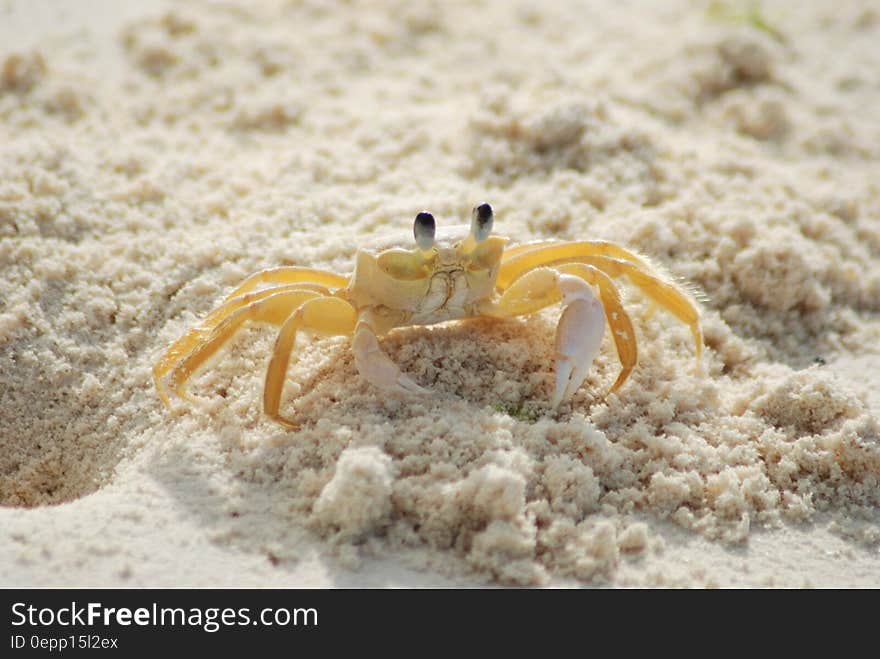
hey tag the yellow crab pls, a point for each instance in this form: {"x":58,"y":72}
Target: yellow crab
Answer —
{"x":458,"y":273}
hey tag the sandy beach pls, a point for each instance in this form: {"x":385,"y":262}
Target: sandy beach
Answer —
{"x":152,"y":157}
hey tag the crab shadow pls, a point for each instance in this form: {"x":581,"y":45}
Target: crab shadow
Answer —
{"x":258,"y":521}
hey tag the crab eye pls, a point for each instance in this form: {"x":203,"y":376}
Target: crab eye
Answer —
{"x":424,"y":229}
{"x":481,"y":224}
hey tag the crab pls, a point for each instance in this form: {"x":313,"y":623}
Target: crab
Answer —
{"x":462,"y":272}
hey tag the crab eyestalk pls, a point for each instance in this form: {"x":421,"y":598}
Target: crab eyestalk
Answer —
{"x":481,"y":227}
{"x":481,"y":224}
{"x":424,"y":229}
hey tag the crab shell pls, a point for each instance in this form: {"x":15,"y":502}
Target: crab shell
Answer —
{"x":442,"y":283}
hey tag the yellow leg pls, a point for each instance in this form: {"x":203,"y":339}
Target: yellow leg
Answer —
{"x":273,"y":308}
{"x":510,"y":252}
{"x":278,"y":279}
{"x":286,"y":275}
{"x":529,"y":293}
{"x":668,"y":295}
{"x":518,"y":260}
{"x":615,"y":261}
{"x":329,"y":316}
{"x":202,"y":332}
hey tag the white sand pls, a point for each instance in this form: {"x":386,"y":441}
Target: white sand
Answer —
{"x":151,"y":160}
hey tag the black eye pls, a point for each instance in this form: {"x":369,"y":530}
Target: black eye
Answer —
{"x":424,"y":229}
{"x":481,"y":225}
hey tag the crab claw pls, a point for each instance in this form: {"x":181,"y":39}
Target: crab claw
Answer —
{"x":377,"y":368}
{"x":578,"y":336}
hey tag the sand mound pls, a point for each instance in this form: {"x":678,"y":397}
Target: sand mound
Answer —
{"x":233,"y":137}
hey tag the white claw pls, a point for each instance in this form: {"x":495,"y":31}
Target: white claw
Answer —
{"x":578,"y":336}
{"x":377,"y":368}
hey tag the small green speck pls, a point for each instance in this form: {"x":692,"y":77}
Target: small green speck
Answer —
{"x":518,"y":412}
{"x":750,"y":15}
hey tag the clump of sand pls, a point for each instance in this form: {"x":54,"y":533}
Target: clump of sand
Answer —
{"x":235,"y":137}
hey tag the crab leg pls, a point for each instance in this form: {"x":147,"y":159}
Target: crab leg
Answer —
{"x":289,"y":275}
{"x":581,"y":326}
{"x":372,"y":363}
{"x":521,"y":258}
{"x":614,"y":261}
{"x":279,"y":279}
{"x":195,"y":335}
{"x":329,"y":316}
{"x":183,"y":360}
